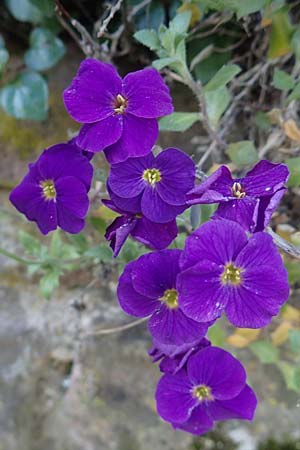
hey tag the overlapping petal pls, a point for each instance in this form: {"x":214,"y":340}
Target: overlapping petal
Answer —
{"x":91,"y":95}
{"x":137,"y":139}
{"x":147,"y":94}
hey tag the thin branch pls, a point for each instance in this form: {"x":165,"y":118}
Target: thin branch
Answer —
{"x":119,"y":329}
{"x":281,"y":243}
{"x":113,"y":9}
{"x":83,"y":38}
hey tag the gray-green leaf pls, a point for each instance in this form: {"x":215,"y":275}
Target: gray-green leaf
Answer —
{"x":242,"y":153}
{"x":283,"y":80}
{"x":45,"y":50}
{"x":178,"y":121}
{"x":217,"y":102}
{"x":149,"y":38}
{"x":180,"y":23}
{"x":222,"y":77}
{"x":26,"y":97}
{"x":265,"y":352}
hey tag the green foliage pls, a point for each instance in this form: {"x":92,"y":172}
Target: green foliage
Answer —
{"x":288,"y":444}
{"x":168,"y":43}
{"x":294,"y":337}
{"x":34,"y":11}
{"x":217,"y":335}
{"x":217,"y":102}
{"x":4,"y":55}
{"x":26,"y":97}
{"x":281,"y":34}
{"x":290,"y":374}
{"x":283,"y":80}
{"x":178,"y":121}
{"x":222,"y":77}
{"x":241,"y":8}
{"x":45,"y":50}
{"x":294,"y":168}
{"x":242,"y":153}
{"x":265,"y":352}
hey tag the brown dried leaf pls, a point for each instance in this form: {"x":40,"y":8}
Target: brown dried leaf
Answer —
{"x":291,"y":130}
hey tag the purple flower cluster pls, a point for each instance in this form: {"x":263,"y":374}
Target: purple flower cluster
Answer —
{"x":228,"y":265}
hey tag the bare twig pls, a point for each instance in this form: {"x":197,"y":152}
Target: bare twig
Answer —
{"x":79,"y":33}
{"x":119,"y":329}
{"x":281,"y":243}
{"x":113,"y":9}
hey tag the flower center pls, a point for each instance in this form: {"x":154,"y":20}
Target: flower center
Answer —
{"x":231,"y":275}
{"x":170,"y":298}
{"x":120,"y":104}
{"x":238,"y":191}
{"x":152,"y":176}
{"x":202,"y":393}
{"x":48,"y":188}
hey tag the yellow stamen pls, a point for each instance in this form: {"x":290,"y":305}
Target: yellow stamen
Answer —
{"x":231,"y":275}
{"x":152,"y":176}
{"x":238,"y":191}
{"x":120,"y":104}
{"x":48,"y":188}
{"x":202,"y":393}
{"x":170,"y":297}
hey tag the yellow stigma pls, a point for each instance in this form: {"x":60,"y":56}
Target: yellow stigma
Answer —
{"x":231,"y":275}
{"x":48,"y":188}
{"x":152,"y":176}
{"x":120,"y":104}
{"x":170,"y":297}
{"x":238,"y":191}
{"x":202,"y":393}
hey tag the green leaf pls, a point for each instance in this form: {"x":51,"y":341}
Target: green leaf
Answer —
{"x":100,"y":252}
{"x":294,"y":168}
{"x":79,"y":241}
{"x":30,"y":10}
{"x":295,"y":43}
{"x":222,"y":77}
{"x":149,"y":38}
{"x":49,"y":282}
{"x":297,"y":378}
{"x":178,"y":121}
{"x":217,"y":335}
{"x":281,"y":34}
{"x":242,"y":153}
{"x":181,"y":22}
{"x":26,"y":97}
{"x":295,"y":94}
{"x":4,"y":57}
{"x":289,"y":375}
{"x":98,"y":223}
{"x":283,"y":80}
{"x":265,"y":352}
{"x":293,"y":268}
{"x":294,"y":336}
{"x":180,"y":51}
{"x":249,"y":7}
{"x":217,"y":102}
{"x":30,"y":243}
{"x":168,"y":41}
{"x":46,"y":50}
{"x":172,"y":62}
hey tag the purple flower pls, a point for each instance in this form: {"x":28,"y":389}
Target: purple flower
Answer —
{"x":157,"y":236}
{"x":174,"y":358}
{"x":119,"y":116}
{"x":251,"y":200}
{"x":224,"y":270}
{"x":87,"y":154}
{"x":212,"y":388}
{"x":156,"y":186}
{"x":54,"y":192}
{"x":148,"y":287}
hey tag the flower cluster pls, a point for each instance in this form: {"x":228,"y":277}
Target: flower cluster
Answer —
{"x":228,"y":265}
